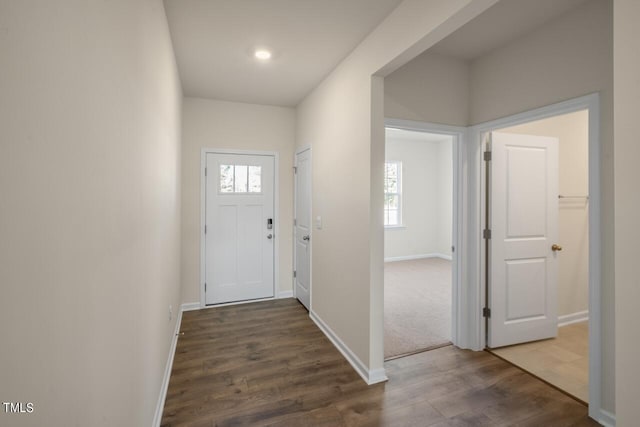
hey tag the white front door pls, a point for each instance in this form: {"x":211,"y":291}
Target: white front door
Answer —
{"x":239,"y":227}
{"x":523,"y":267}
{"x":303,"y":228}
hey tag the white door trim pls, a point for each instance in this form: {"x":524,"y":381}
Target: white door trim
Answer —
{"x":459,"y":316}
{"x":476,"y":186}
{"x":276,"y":213}
{"x":295,"y":215}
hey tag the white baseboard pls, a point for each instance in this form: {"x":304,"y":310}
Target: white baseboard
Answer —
{"x":369,"y":376}
{"x":377,"y":376}
{"x":167,"y":371}
{"x":190,"y":306}
{"x":285,"y":294}
{"x":606,"y":418}
{"x":419,"y":256}
{"x":569,"y":319}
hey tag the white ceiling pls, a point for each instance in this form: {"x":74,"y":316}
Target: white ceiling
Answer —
{"x":214,"y":41}
{"x":500,"y":24}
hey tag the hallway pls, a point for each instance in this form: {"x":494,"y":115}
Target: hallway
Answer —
{"x":267,"y":363}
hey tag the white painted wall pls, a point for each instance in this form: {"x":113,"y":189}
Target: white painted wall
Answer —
{"x":233,"y":125}
{"x":627,"y":205}
{"x":432,"y":87}
{"x":90,"y":209}
{"x":572,"y":130}
{"x":445,"y":196}
{"x":426,"y":198}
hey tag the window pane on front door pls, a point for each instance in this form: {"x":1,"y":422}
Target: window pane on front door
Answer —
{"x":240,"y":179}
{"x":255,"y":179}
{"x":226,"y":178}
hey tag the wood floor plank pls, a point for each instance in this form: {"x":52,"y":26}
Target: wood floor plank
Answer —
{"x":267,"y":364}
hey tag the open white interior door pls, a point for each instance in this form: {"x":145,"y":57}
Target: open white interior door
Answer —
{"x":303,"y":228}
{"x":524,"y":227}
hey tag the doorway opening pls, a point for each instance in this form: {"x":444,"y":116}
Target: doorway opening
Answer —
{"x":572,"y":253}
{"x":419,"y":240}
{"x":559,"y":354}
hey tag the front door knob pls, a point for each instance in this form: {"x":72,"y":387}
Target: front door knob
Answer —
{"x":269,"y":236}
{"x":556,"y":248}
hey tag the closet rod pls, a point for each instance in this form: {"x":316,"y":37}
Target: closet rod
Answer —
{"x":573,"y":197}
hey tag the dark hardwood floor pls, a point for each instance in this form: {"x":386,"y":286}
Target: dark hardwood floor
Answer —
{"x":267,"y":364}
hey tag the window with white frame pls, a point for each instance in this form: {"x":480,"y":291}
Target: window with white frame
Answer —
{"x":240,"y":179}
{"x":392,"y":194}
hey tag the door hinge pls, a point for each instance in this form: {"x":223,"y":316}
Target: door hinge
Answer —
{"x":205,"y":229}
{"x":486,"y":234}
{"x":453,"y":248}
{"x":487,"y":156}
{"x":295,"y":169}
{"x":295,"y":222}
{"x":205,"y":286}
{"x":205,"y":171}
{"x":486,"y":312}
{"x":294,"y":274}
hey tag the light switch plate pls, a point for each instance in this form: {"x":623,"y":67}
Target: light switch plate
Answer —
{"x":319,"y":222}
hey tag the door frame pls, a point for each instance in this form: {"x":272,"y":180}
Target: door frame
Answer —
{"x":477,"y":192}
{"x":459,"y":315}
{"x":276,"y":223}
{"x":295,"y":217}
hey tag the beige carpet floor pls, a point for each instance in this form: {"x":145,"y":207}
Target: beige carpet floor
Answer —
{"x":417,"y":305}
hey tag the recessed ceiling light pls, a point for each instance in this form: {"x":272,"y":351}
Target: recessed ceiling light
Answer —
{"x":262,"y":54}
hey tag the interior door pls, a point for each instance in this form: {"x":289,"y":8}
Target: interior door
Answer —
{"x":239,"y":227}
{"x":303,"y":228}
{"x":523,"y":267}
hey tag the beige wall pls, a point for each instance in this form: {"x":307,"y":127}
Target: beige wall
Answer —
{"x":426,"y":198}
{"x":572,"y":131}
{"x":343,"y":119}
{"x":627,"y":205}
{"x":90,"y":211}
{"x":232,"y":125}
{"x":566,"y":58}
{"x":445,"y":196}
{"x":432,"y":88}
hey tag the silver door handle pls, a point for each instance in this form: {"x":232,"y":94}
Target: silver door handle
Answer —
{"x":307,"y":238}
{"x":269,"y":236}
